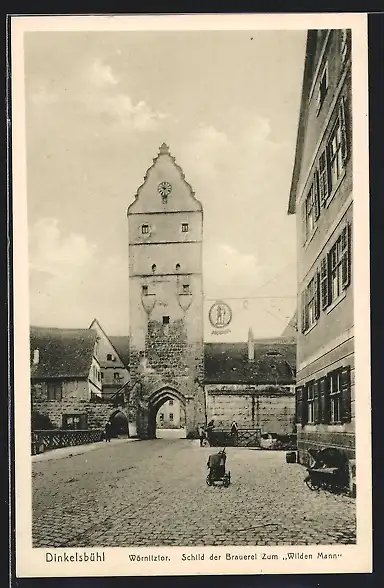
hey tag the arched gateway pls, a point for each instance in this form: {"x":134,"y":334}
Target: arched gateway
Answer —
{"x":166,"y":295}
{"x":156,"y":401}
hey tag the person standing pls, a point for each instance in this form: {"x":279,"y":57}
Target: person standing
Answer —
{"x":209,"y":431}
{"x":201,"y":435}
{"x":234,"y":433}
{"x":108,"y":431}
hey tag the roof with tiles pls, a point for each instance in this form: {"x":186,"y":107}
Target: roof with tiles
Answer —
{"x":121,"y":344}
{"x":274,"y":362}
{"x":63,"y":353}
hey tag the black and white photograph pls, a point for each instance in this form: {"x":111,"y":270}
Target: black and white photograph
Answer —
{"x":191,"y":273}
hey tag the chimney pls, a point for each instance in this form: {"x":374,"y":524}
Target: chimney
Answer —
{"x":251,"y":346}
{"x":36,"y":356}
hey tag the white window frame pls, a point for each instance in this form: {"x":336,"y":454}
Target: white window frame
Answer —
{"x":335,"y":155}
{"x":322,"y":88}
{"x":335,"y":398}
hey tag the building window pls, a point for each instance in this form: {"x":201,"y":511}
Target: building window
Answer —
{"x":177,"y":267}
{"x":171,"y":416}
{"x":74,"y":421}
{"x":326,"y":401}
{"x":153,"y":268}
{"x":184,"y":228}
{"x":165,"y":320}
{"x":336,"y":267}
{"x":323,"y":88}
{"x":102,"y":376}
{"x":116,"y":376}
{"x":99,"y":376}
{"x":336,"y":164}
{"x":185,"y":288}
{"x":311,"y":303}
{"x":161,"y":416}
{"x":334,"y":391}
{"x":54,"y":391}
{"x":323,"y":178}
{"x":344,"y":45}
{"x":144,"y":229}
{"x":312,"y":207}
{"x":170,"y":402}
{"x":311,"y":402}
{"x":110,"y":357}
{"x":144,"y":290}
{"x":164,"y":198}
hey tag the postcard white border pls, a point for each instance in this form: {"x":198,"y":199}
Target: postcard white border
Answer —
{"x":353,"y":558}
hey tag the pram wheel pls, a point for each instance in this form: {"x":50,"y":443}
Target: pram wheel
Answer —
{"x":209,"y":480}
{"x":312,"y":484}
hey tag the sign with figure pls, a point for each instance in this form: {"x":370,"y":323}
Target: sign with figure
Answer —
{"x":220,"y":316}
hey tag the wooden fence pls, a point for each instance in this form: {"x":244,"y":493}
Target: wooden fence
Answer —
{"x":54,"y":439}
{"x":250,"y":438}
{"x":245,"y":438}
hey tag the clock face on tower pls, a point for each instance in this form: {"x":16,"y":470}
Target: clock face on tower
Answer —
{"x":164,"y":188}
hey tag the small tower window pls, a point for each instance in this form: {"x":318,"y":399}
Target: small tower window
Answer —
{"x":153,"y":268}
{"x":145,"y":290}
{"x":184,"y":228}
{"x":177,"y":267}
{"x":144,"y":229}
{"x":185,"y":288}
{"x":165,"y":320}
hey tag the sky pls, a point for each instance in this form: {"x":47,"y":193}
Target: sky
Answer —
{"x":99,"y":105}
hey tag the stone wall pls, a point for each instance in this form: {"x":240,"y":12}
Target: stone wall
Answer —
{"x":97,"y":414}
{"x":267,"y":408}
{"x":171,"y":362}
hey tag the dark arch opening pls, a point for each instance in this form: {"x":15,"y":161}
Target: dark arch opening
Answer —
{"x":119,"y":422}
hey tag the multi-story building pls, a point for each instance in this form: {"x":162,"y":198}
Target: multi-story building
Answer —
{"x":166,"y":296}
{"x":321,"y":196}
{"x":114,"y":370}
{"x":170,"y":415}
{"x":65,"y":377}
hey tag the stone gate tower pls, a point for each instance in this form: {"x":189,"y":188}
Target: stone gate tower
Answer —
{"x":166,"y":296}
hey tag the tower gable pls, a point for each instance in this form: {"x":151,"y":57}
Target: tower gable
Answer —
{"x":164,"y":188}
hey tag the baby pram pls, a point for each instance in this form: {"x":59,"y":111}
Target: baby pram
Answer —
{"x":217,"y":473}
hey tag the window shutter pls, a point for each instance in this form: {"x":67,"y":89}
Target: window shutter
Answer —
{"x":323,"y":179}
{"x":316,"y":195}
{"x":303,"y":311}
{"x":304,"y":220}
{"x":317,"y":295}
{"x":323,"y":409}
{"x":345,"y":43}
{"x":344,"y":129}
{"x":316,"y":403}
{"x":345,"y":381}
{"x":324,"y":282}
{"x":346,"y":236}
{"x":299,"y":403}
{"x":304,"y":410}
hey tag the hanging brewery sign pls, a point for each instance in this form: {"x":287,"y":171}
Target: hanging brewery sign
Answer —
{"x":220,"y":315}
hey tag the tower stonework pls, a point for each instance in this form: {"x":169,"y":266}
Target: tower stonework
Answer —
{"x":165,"y":224}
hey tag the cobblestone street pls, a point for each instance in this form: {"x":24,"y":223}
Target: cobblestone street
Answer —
{"x":154,"y":493}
